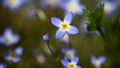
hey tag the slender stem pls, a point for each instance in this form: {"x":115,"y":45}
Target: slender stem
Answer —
{"x":104,"y":38}
{"x":50,"y":47}
{"x":109,"y":48}
{"x":70,"y":43}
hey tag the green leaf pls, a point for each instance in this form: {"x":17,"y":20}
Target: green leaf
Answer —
{"x":94,"y":18}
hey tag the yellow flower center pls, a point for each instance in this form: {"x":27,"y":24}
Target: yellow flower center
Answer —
{"x":64,"y":26}
{"x":107,"y":7}
{"x":8,"y":40}
{"x":72,"y":65}
{"x":12,"y":2}
{"x":72,"y":7}
{"x":13,"y":55}
{"x":69,"y":55}
{"x":96,"y":64}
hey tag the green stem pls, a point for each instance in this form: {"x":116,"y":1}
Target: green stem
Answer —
{"x":70,"y":43}
{"x":50,"y":47}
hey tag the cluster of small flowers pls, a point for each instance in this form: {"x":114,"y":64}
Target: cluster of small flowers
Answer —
{"x":70,"y":60}
{"x":8,"y":39}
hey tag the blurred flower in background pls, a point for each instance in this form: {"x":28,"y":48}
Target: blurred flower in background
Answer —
{"x":97,"y":62}
{"x":13,"y":4}
{"x":73,"y":6}
{"x":110,"y":7}
{"x":69,"y":53}
{"x":51,"y":3}
{"x":15,"y":55}
{"x":9,"y":38}
{"x":64,"y":27}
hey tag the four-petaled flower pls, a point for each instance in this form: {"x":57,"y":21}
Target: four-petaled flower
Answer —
{"x":13,"y":4}
{"x":72,"y":6}
{"x":69,"y":53}
{"x":97,"y":62}
{"x":64,"y":26}
{"x":72,"y":63}
{"x":14,"y":56}
{"x":9,"y":38}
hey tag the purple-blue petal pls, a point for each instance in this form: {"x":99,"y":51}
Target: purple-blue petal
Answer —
{"x":92,"y":59}
{"x":19,"y":51}
{"x":8,"y":58}
{"x":60,"y":34}
{"x":56,"y":21}
{"x":8,"y":32}
{"x":2,"y":66}
{"x":73,"y":30}
{"x":78,"y":66}
{"x":63,"y":49}
{"x":68,"y":18}
{"x":75,"y":60}
{"x":15,"y":38}
{"x":64,"y":62}
{"x":73,"y":50}
{"x":102,"y":59}
{"x":16,"y":59}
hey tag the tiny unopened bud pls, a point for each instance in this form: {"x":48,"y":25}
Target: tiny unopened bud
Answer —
{"x":46,"y":38}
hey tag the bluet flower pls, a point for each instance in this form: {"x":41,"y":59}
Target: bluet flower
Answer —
{"x":97,"y":62}
{"x":64,"y":26}
{"x":69,"y":53}
{"x":15,"y":55}
{"x":13,"y":4}
{"x":109,"y":7}
{"x":73,"y":6}
{"x":71,"y":64}
{"x":9,"y":38}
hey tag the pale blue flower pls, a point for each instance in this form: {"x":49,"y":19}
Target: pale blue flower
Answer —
{"x":64,"y":26}
{"x":69,"y":53}
{"x":13,"y":4}
{"x":46,"y":37}
{"x":9,"y":38}
{"x":109,"y":7}
{"x":15,"y":55}
{"x":73,"y":6}
{"x":97,"y":62}
{"x":72,"y":63}
{"x":51,"y":3}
